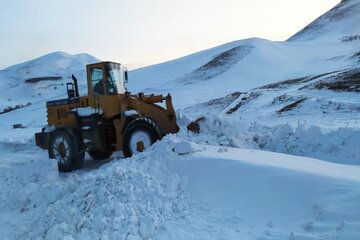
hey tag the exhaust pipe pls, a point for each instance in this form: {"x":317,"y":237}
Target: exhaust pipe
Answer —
{"x":75,"y":85}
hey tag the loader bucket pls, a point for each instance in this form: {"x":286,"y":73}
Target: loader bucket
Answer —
{"x":195,"y":126}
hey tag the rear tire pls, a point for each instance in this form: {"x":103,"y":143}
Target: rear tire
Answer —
{"x":143,"y":131}
{"x":99,"y":154}
{"x":67,"y":148}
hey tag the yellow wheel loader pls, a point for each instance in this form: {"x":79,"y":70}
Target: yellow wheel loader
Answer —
{"x":108,"y":119}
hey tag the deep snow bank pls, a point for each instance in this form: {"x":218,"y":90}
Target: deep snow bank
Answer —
{"x":251,"y":194}
{"x":126,"y":199}
{"x":340,"y":145}
{"x":204,"y":192}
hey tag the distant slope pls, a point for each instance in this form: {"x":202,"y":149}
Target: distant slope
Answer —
{"x":316,"y":81}
{"x":41,"y":78}
{"x":197,"y":78}
{"x":341,"y":23}
{"x":332,"y":44}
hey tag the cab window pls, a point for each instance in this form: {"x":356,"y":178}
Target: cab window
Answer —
{"x":97,"y":76}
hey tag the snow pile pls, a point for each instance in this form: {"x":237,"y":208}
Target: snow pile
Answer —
{"x":251,"y":194}
{"x":338,"y":145}
{"x":178,"y":190}
{"x":127,"y":199}
{"x":183,"y":148}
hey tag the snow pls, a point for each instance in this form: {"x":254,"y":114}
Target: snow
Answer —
{"x":88,"y":111}
{"x":333,"y":145}
{"x":334,"y":25}
{"x":251,"y":63}
{"x":242,"y":194}
{"x":120,"y":200}
{"x":48,"y":128}
{"x":159,"y":194}
{"x":266,"y":63}
{"x":277,"y":156}
{"x":130,"y":112}
{"x":183,"y":148}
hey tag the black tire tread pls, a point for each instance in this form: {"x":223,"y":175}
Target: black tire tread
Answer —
{"x":76,"y":149}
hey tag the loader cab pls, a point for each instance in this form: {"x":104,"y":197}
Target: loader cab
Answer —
{"x":106,"y":78}
{"x":106,"y":81}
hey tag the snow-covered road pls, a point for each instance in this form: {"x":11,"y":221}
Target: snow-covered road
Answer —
{"x":248,"y":194}
{"x":214,"y":192}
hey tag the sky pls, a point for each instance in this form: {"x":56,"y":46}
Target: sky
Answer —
{"x":144,"y":32}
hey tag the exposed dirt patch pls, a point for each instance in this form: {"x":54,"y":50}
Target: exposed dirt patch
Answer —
{"x":224,"y":100}
{"x":351,"y":38}
{"x":339,"y":12}
{"x":357,"y":56}
{"x":39,"y":79}
{"x":290,"y":82}
{"x":337,"y":58}
{"x":221,"y":59}
{"x":10,"y":108}
{"x":219,"y":64}
{"x":284,"y":98}
{"x":281,"y":98}
{"x":215,"y":106}
{"x":243,"y":101}
{"x":348,"y":81}
{"x":291,"y":106}
{"x":284,"y":84}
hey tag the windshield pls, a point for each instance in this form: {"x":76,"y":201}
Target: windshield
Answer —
{"x":115,"y":81}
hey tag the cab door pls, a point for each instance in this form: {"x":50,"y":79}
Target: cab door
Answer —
{"x":100,"y":98}
{"x":96,"y":83}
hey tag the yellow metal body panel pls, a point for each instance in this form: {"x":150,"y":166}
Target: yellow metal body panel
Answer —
{"x":164,"y":118}
{"x":110,"y":105}
{"x":60,"y":114}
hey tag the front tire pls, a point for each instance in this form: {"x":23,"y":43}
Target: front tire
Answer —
{"x":67,"y":148}
{"x":139,"y":135}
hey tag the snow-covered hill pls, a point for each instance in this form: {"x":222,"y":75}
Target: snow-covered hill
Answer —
{"x":340,"y":23}
{"x":247,"y":64}
{"x":41,"y":78}
{"x":299,"y":97}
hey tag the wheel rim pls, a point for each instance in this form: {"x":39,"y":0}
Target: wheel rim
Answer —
{"x":139,"y":139}
{"x":61,"y":150}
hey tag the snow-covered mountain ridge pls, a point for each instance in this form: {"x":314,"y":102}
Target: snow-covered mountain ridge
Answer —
{"x":340,"y":23}
{"x":246,"y":64}
{"x":41,"y":78}
{"x":313,"y":77}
